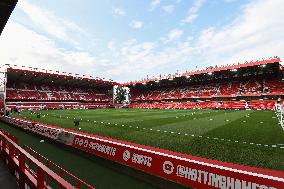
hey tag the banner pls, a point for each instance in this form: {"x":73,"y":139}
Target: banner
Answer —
{"x":41,"y":129}
{"x":181,"y":168}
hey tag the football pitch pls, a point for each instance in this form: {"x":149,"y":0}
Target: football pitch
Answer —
{"x":247,"y":137}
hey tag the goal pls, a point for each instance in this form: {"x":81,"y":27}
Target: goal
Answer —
{"x":279,"y":110}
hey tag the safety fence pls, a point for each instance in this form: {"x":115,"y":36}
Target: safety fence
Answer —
{"x":30,"y":173}
{"x":180,"y":168}
{"x":56,"y":168}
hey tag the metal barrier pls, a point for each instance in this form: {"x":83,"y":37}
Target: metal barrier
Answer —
{"x":53,"y":166}
{"x":29,"y":172}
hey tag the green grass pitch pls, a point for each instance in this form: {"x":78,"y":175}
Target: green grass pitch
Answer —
{"x":247,"y":137}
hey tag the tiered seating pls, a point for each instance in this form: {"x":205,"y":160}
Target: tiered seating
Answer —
{"x":261,"y":104}
{"x":255,"y":104}
{"x":228,"y":89}
{"x":232,"y":105}
{"x":20,"y":91}
{"x":56,"y":105}
{"x":274,"y":87}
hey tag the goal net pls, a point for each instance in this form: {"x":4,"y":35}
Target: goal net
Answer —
{"x":279,"y":110}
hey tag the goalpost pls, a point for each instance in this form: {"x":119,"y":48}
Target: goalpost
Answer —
{"x":279,"y":110}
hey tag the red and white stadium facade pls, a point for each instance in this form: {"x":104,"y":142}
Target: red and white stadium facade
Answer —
{"x":39,"y":89}
{"x":258,"y":85}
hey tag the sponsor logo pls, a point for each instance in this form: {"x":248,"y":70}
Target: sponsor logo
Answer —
{"x":210,"y":179}
{"x":126,"y":155}
{"x":137,"y":158}
{"x":168,"y":167}
{"x":142,"y":159}
{"x":95,"y":146}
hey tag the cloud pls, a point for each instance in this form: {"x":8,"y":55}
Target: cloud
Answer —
{"x":110,"y":45}
{"x":140,"y":59}
{"x":196,"y":6}
{"x":251,"y":35}
{"x":119,"y":12}
{"x":189,"y":19}
{"x":243,"y":39}
{"x":173,"y":35}
{"x":32,"y":49}
{"x":50,"y":23}
{"x":136,"y":24}
{"x":168,"y":8}
{"x":193,"y":12}
{"x":154,"y":4}
{"x":229,"y":1}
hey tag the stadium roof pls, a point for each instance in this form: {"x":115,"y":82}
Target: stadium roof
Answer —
{"x":6,"y":8}
{"x":206,"y":71}
{"x":36,"y":75}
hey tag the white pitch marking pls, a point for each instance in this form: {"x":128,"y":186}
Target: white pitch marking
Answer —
{"x":274,"y":146}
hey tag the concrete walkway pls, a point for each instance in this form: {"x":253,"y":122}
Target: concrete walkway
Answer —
{"x":7,"y":181}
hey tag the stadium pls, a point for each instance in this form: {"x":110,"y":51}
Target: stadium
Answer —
{"x":219,"y":127}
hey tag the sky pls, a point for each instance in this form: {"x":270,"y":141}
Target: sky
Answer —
{"x":126,"y":40}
